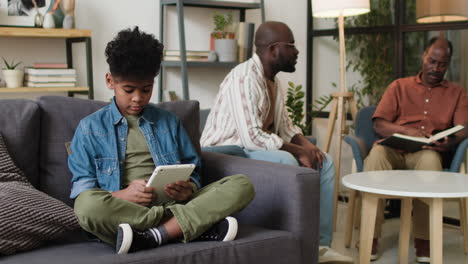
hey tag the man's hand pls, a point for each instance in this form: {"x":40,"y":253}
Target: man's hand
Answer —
{"x":137,"y":192}
{"x":447,"y":144}
{"x":179,"y":191}
{"x":315,"y":154}
{"x":409,"y":131}
{"x":305,"y":152}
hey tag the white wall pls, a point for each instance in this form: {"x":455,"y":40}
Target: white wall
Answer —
{"x":106,"y":17}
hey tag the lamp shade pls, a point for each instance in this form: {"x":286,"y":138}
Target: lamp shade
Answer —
{"x":333,"y":8}
{"x":432,"y":11}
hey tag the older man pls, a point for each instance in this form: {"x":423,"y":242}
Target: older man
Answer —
{"x":249,"y":111}
{"x":419,"y":106}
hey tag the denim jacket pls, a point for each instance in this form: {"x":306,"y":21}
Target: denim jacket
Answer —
{"x":100,"y":141}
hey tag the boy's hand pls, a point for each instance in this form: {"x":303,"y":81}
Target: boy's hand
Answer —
{"x":137,"y":192}
{"x":179,"y":191}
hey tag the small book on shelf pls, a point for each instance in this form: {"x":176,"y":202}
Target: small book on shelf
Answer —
{"x":50,"y":84}
{"x":245,"y":40}
{"x":413,"y":144}
{"x":202,"y":53}
{"x":34,"y":71}
{"x":189,"y":58}
{"x":50,"y":78}
{"x":46,"y":65}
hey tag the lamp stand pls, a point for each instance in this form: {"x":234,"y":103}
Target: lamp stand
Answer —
{"x":338,"y":114}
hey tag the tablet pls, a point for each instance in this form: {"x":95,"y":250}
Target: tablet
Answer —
{"x":166,"y":174}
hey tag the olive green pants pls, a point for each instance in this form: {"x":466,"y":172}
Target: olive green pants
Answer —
{"x":386,"y":158}
{"x":100,"y":213}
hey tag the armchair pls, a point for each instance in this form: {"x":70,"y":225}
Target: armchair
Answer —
{"x":361,"y":144}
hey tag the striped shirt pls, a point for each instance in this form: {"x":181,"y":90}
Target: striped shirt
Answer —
{"x":241,"y":108}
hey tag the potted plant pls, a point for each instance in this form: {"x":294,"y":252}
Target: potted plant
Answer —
{"x":295,"y":107}
{"x":224,"y":43}
{"x":13,"y":76}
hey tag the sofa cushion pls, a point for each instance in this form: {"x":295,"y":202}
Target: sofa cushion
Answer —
{"x":19,"y":125}
{"x":252,"y":245}
{"x":60,"y":117}
{"x":28,"y":217}
{"x":187,"y":111}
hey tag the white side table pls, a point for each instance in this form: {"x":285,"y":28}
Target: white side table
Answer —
{"x":429,"y":186}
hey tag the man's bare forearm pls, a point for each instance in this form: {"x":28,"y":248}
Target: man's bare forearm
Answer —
{"x":292,"y":148}
{"x":385,"y":128}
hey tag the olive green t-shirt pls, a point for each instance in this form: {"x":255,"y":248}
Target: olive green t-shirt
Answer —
{"x":138,"y":161}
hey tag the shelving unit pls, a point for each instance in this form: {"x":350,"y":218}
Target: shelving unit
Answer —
{"x":43,"y":89}
{"x":71,"y":36}
{"x":183,"y":64}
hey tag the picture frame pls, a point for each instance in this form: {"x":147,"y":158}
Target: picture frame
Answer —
{"x":21,"y":13}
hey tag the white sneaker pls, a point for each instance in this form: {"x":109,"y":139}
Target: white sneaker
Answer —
{"x":327,"y":254}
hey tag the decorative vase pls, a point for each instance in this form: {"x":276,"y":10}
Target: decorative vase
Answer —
{"x":38,"y":20}
{"x":13,"y":78}
{"x":48,"y":21}
{"x":68,"y":8}
{"x":226,"y":49}
{"x":56,"y":12}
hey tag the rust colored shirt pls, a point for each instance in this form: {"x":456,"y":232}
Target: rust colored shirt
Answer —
{"x":407,"y":102}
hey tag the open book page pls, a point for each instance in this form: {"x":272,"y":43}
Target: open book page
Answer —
{"x":446,"y":132}
{"x":419,"y":139}
{"x":412,"y":144}
{"x":435,"y":137}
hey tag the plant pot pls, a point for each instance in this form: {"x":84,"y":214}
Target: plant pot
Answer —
{"x":13,"y":78}
{"x":226,"y":49}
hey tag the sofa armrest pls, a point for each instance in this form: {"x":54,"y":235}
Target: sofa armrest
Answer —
{"x":287,"y":197}
{"x":359,"y":149}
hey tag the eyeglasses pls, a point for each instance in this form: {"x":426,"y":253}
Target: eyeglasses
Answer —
{"x":285,"y":43}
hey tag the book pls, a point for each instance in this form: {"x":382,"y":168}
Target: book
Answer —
{"x":189,"y":58}
{"x":34,"y":71}
{"x":245,"y":40}
{"x":50,"y":84}
{"x":413,"y":144}
{"x":50,"y":65}
{"x":50,"y":78}
{"x":241,"y":42}
{"x":249,"y":40}
{"x":188,"y":53}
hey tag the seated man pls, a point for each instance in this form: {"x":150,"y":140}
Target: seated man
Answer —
{"x":115,"y":150}
{"x":249,"y":111}
{"x":419,"y":106}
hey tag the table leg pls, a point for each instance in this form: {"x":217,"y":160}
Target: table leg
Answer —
{"x":464,"y":220}
{"x":405,"y":228}
{"x":435,"y":227}
{"x":350,"y":217}
{"x":368,"y":215}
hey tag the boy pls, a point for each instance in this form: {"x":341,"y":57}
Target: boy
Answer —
{"x":115,"y":150}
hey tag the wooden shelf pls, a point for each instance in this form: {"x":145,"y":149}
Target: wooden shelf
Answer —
{"x":44,"y":32}
{"x":214,"y":4}
{"x":43,"y":89}
{"x":200,"y":64}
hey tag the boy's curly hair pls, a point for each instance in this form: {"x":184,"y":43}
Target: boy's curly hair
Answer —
{"x":134,"y":54}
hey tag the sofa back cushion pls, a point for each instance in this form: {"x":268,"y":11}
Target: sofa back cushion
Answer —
{"x":60,"y":117}
{"x":20,"y":125}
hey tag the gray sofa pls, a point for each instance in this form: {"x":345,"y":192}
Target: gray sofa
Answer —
{"x":279,"y":226}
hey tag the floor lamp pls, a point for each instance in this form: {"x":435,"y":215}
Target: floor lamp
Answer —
{"x":436,"y":11}
{"x":340,"y":9}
